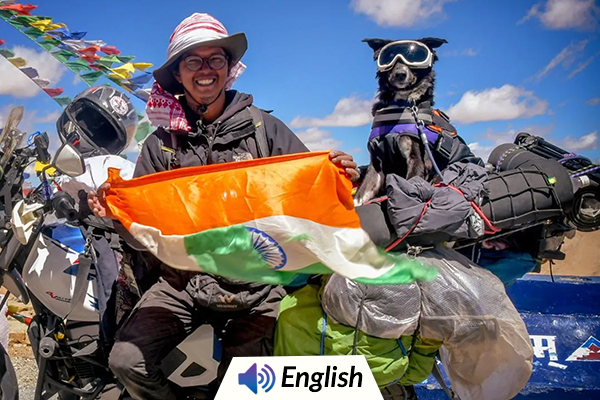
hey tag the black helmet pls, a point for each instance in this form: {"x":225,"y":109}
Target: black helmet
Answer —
{"x":100,"y":119}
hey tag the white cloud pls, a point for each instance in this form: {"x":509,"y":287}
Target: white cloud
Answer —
{"x":582,"y":66}
{"x":30,"y":118}
{"x":349,"y":111}
{"x":76,"y":80}
{"x":401,"y":13}
{"x":566,"y":57}
{"x":469,"y":52}
{"x":594,"y":101}
{"x":15,"y":83}
{"x":533,"y":11}
{"x":492,"y":138}
{"x":480,"y":150}
{"x":565,"y":14}
{"x":585,"y":142}
{"x":317,"y":139}
{"x":497,"y":104}
{"x":49,"y":117}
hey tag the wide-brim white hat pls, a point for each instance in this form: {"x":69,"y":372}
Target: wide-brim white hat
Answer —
{"x":198,"y":30}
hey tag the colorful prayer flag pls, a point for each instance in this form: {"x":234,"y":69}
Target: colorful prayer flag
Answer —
{"x":63,"y":55}
{"x":90,"y":57}
{"x":54,"y":92}
{"x":33,"y":33}
{"x":269,"y":220}
{"x":125,"y":59}
{"x":142,"y":66}
{"x":78,"y":66}
{"x":19,"y":8}
{"x":63,"y":101}
{"x":91,"y":77}
{"x":18,"y":62}
{"x":30,"y":72}
{"x":110,"y":50}
{"x":41,"y":82}
{"x":49,"y":44}
{"x":6,"y":53}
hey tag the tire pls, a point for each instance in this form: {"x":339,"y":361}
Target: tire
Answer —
{"x":399,"y":392}
{"x":9,"y":388}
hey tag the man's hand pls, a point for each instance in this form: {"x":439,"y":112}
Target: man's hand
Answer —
{"x":346,"y":161}
{"x":97,"y":201}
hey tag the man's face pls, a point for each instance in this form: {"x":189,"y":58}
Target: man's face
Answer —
{"x":205,"y":84}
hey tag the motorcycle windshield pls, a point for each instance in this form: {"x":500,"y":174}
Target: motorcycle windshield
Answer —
{"x":68,"y":236}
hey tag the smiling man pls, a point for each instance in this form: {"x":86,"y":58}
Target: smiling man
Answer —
{"x":200,"y":122}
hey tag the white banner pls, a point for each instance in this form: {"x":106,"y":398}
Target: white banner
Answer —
{"x":311,"y":377}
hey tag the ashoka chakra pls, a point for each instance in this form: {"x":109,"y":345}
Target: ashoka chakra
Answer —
{"x":268,"y":248}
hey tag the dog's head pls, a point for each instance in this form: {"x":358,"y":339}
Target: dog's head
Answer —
{"x":401,"y":83}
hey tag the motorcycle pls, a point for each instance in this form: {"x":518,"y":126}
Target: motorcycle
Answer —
{"x":48,"y":259}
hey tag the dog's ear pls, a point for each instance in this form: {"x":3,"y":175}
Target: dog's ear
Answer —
{"x":376,"y":45}
{"x":433,"y":43}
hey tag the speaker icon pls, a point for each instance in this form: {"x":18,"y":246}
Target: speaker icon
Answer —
{"x":251,"y":379}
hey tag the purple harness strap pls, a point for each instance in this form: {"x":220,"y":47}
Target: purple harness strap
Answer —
{"x":406,"y":129}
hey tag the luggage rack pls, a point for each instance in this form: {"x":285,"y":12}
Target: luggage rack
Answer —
{"x":571,"y":161}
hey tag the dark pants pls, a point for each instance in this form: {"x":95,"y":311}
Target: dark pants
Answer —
{"x":165,"y":316}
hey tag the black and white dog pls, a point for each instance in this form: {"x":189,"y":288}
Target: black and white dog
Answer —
{"x":406,"y":78}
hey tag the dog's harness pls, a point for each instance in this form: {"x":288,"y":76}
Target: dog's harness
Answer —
{"x":430,"y":126}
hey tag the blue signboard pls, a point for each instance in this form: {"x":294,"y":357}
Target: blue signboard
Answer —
{"x":563,"y":321}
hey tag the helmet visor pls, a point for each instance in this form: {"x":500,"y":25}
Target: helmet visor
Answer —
{"x":96,"y":126}
{"x":412,"y":53}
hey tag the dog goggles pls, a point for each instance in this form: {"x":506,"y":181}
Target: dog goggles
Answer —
{"x":412,"y":53}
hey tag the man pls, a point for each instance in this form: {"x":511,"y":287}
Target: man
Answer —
{"x":202,"y":122}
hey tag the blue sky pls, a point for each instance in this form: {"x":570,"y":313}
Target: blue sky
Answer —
{"x":509,"y":66}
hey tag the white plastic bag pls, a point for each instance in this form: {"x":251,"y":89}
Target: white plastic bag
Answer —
{"x":487,"y":352}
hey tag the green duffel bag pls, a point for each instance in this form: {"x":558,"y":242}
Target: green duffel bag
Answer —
{"x":303,"y":329}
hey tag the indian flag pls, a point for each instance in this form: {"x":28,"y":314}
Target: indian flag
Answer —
{"x":268,"y":220}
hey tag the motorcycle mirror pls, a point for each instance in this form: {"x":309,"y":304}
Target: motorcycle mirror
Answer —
{"x":14,"y":118}
{"x":68,"y":160}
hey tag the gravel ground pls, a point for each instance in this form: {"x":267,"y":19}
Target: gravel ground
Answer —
{"x":26,"y":369}
{"x":21,"y":354}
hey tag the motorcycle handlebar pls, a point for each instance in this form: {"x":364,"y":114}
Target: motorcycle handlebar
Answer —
{"x":41,"y":149}
{"x":64,"y":205}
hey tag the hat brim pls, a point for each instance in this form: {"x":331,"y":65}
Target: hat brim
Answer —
{"x":235,"y":46}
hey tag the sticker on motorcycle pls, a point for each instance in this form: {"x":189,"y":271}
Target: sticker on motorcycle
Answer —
{"x":72,"y":270}
{"x":93,"y":301}
{"x":59,"y":298}
{"x":588,"y":351}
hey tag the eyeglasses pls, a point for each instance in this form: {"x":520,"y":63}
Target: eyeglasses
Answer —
{"x":414,"y":54}
{"x":216,"y":62}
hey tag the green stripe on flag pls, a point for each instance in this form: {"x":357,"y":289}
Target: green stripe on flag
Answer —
{"x":230,"y":252}
{"x":406,"y":270}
